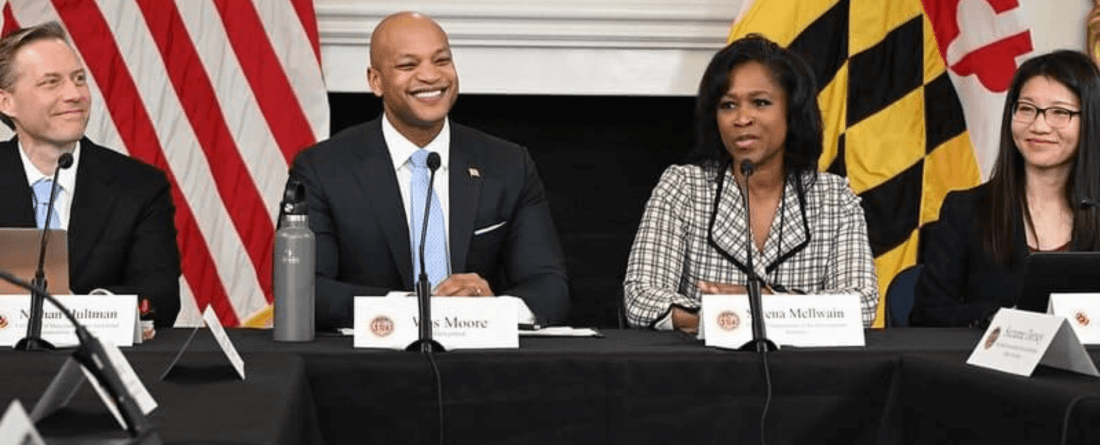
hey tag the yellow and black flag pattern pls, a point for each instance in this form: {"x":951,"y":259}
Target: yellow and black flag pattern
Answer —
{"x":893,"y":123}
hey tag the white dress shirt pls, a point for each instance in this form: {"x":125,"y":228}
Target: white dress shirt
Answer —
{"x":64,"y":201}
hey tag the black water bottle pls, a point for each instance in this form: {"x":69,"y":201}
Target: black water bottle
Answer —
{"x":293,"y":269}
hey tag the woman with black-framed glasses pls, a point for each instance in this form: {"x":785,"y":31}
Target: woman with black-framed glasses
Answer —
{"x":1049,"y":163}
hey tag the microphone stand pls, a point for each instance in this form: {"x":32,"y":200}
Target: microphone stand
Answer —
{"x":34,"y":341}
{"x":91,"y":354}
{"x":425,"y":343}
{"x":759,"y":342}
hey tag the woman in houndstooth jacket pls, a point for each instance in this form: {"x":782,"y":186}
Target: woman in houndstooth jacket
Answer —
{"x":757,"y":102}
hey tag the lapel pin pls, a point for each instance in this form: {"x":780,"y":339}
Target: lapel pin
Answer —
{"x":474,"y":172}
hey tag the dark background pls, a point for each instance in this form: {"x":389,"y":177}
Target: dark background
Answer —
{"x":599,"y":158}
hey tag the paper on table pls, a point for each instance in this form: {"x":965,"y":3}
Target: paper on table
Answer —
{"x":560,"y":331}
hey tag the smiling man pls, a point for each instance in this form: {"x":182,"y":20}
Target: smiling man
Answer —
{"x":489,"y":229}
{"x":118,"y":211}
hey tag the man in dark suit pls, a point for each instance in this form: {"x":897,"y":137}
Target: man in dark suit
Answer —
{"x":499,"y":237}
{"x":117,"y":210}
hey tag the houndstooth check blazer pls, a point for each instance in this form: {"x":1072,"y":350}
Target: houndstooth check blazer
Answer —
{"x":671,"y":251}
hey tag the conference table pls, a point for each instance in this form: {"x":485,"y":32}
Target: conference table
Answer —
{"x":907,"y":386}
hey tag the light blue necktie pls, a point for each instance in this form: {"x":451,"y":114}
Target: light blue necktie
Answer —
{"x":435,"y":245}
{"x":42,"y":200}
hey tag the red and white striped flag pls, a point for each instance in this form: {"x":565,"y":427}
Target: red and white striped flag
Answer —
{"x":982,"y":43}
{"x":220,"y":94}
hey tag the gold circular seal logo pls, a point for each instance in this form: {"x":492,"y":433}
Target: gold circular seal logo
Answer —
{"x":3,"y":321}
{"x":381,"y":326}
{"x":992,"y":338}
{"x":728,"y":320}
{"x":1081,"y":317}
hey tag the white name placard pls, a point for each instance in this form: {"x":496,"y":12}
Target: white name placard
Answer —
{"x":1083,"y":313}
{"x":796,"y":320}
{"x":226,"y":345}
{"x":1018,"y":341}
{"x":73,"y":375}
{"x":130,"y":381}
{"x":16,"y":427}
{"x":457,"y":322}
{"x":111,"y":318}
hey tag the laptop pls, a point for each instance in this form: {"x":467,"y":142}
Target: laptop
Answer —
{"x":19,"y":249}
{"x":1058,"y":272}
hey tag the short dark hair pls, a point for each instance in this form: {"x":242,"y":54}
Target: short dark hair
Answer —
{"x":1008,"y":195}
{"x":16,"y":40}
{"x":803,"y":144}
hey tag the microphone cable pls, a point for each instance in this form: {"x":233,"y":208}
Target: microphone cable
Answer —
{"x":438,"y":392}
{"x":767,"y":398}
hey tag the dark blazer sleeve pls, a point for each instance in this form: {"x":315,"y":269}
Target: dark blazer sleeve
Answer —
{"x":958,"y":278}
{"x":152,"y":266}
{"x":533,"y":260}
{"x":332,"y":297}
{"x":122,"y":233}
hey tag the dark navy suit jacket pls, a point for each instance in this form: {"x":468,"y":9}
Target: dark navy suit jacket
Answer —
{"x":121,"y":236}
{"x":362,"y":234}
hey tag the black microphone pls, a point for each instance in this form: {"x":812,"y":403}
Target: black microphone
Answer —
{"x":433,"y":165}
{"x":759,"y":342}
{"x":92,"y":355}
{"x":34,"y":341}
{"x":1086,"y":204}
{"x":424,"y":287}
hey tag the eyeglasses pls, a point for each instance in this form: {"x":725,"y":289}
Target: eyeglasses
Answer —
{"x":1057,"y":116}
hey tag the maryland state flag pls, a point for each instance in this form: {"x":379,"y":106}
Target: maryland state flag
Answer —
{"x":893,"y":123}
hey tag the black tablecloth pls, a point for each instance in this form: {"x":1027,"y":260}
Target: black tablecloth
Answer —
{"x":631,"y":386}
{"x":944,"y":399}
{"x":202,"y":402}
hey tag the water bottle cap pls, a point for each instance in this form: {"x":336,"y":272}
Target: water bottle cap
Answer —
{"x":294,"y":199}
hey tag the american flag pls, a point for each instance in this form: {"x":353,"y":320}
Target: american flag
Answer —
{"x":220,"y":94}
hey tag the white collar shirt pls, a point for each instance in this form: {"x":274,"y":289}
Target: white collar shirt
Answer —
{"x":401,"y":149}
{"x":67,"y":179}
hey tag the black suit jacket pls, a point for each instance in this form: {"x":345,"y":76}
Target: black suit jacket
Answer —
{"x":362,"y":234}
{"x":961,"y":284}
{"x":121,"y":231}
